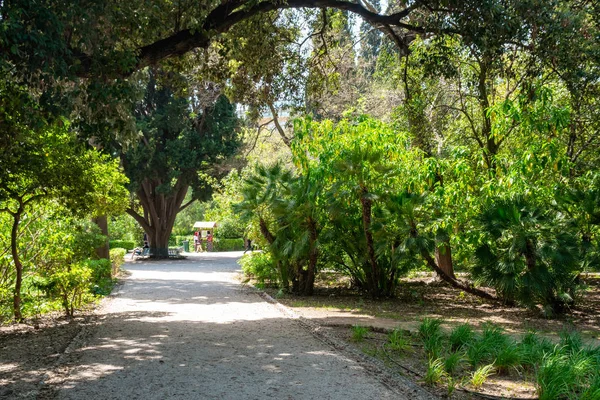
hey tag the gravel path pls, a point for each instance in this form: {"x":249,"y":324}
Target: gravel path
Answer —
{"x":187,"y":329}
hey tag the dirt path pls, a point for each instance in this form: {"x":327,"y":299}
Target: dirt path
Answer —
{"x":187,"y":329}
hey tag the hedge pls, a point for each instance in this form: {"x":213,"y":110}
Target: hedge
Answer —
{"x":124,"y":244}
{"x":229,"y":244}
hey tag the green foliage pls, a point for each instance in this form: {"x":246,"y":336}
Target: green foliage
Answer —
{"x":259,"y":266}
{"x":398,"y":341}
{"x":481,"y":374}
{"x":229,"y":244}
{"x":452,"y":362}
{"x":461,"y":336}
{"x":117,"y":259}
{"x":101,"y":276}
{"x":431,"y":333}
{"x":564,"y":373}
{"x":359,"y":333}
{"x":122,"y":244}
{"x":71,"y":286}
{"x":124,"y":227}
{"x":435,"y":371}
{"x":530,"y":256}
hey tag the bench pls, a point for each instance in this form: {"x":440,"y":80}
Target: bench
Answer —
{"x":140,"y":252}
{"x":175,"y":252}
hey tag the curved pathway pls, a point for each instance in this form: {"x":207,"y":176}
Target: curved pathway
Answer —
{"x":186,"y":329}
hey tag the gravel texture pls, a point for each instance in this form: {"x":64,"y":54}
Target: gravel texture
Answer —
{"x":187,"y":329}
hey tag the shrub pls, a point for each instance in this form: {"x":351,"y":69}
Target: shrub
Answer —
{"x":71,"y":285}
{"x":124,"y":244}
{"x":101,"y":276}
{"x":229,"y":244}
{"x":529,"y":256}
{"x":259,"y":266}
{"x":117,"y":258}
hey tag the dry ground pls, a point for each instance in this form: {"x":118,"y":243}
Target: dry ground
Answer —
{"x":338,"y":309}
{"x":30,"y":352}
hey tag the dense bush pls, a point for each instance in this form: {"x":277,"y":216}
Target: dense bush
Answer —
{"x":229,"y":244}
{"x":259,"y":266}
{"x":72,"y":285}
{"x":123,"y":244}
{"x":229,"y":228}
{"x":117,"y":258}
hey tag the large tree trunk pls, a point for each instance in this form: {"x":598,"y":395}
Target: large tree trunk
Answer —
{"x":160,"y":211}
{"x":102,"y":222}
{"x":18,"y":265}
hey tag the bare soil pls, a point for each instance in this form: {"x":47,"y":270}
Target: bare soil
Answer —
{"x":339,"y":308}
{"x":31,"y":353}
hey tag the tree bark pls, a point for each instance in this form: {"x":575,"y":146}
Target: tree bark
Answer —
{"x":373,"y":273}
{"x":160,"y":211}
{"x":102,"y":222}
{"x":443,"y":258}
{"x":452,"y":281}
{"x":18,"y":265}
{"x":312,"y":259}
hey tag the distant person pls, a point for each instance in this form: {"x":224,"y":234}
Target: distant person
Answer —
{"x":197,"y":242}
{"x":209,"y":241}
{"x":248,"y":245}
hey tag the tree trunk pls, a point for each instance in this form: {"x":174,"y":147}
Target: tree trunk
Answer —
{"x":452,"y":281}
{"x":373,"y":273}
{"x":312,"y":259}
{"x":160,"y":211}
{"x":102,"y":222}
{"x":264,"y":230}
{"x":18,"y":265}
{"x":443,"y":258}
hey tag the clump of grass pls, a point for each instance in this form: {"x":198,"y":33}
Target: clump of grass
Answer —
{"x":507,"y":357}
{"x":481,"y":374}
{"x":461,"y":336}
{"x":571,"y":341}
{"x":435,"y":371}
{"x":359,"y":333}
{"x":487,"y":348}
{"x":430,"y":332}
{"x":563,"y":373}
{"x":593,"y":391}
{"x":532,"y":349}
{"x":398,"y":341}
{"x":453,"y":362}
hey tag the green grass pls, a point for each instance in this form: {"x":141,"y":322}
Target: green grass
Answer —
{"x":453,"y":362}
{"x":398,"y":341}
{"x":481,"y":374}
{"x":461,"y":336}
{"x":435,"y":371}
{"x":430,"y":332}
{"x":359,"y":333}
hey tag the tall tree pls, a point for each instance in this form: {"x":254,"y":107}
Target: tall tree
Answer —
{"x":181,"y":138}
